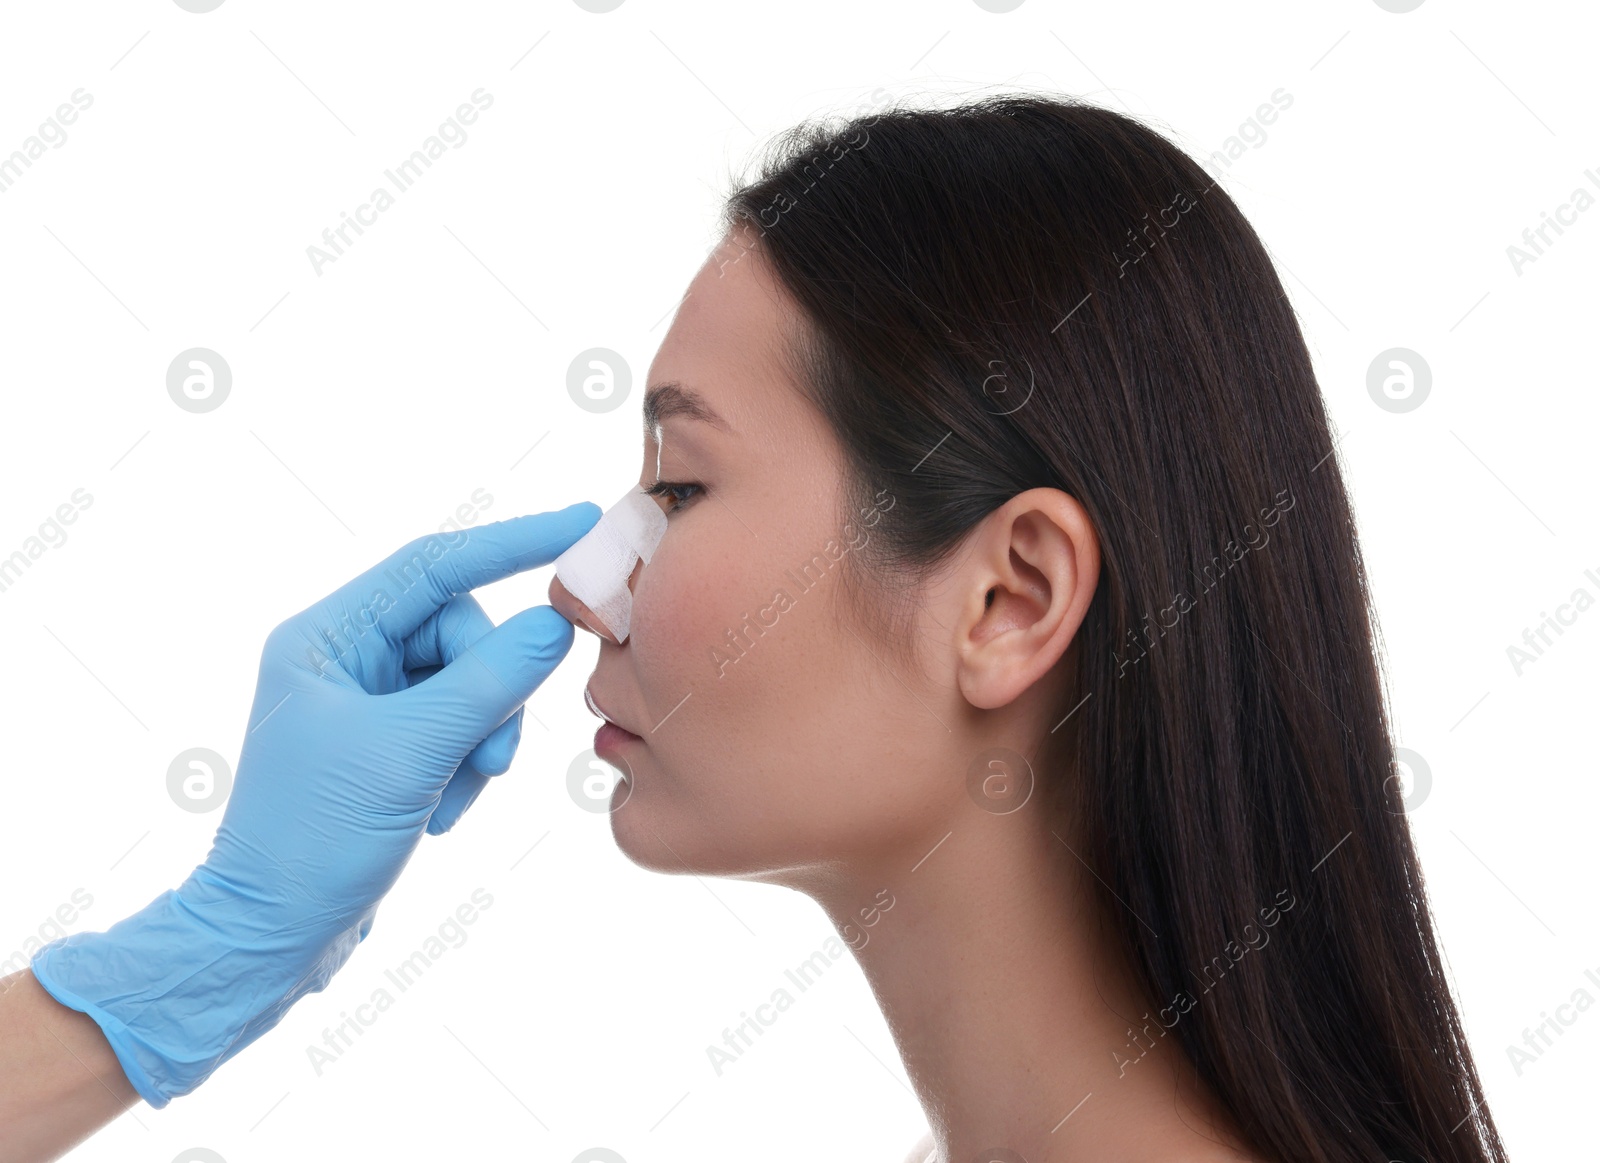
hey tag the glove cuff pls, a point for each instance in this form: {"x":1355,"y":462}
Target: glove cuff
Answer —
{"x":178,"y":989}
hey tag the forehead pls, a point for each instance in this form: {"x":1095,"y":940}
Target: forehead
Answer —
{"x":726,"y":342}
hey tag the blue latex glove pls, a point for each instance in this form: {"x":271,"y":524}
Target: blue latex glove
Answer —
{"x":380,"y":712}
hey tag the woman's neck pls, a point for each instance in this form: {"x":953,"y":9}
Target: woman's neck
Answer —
{"x":1018,"y":1024}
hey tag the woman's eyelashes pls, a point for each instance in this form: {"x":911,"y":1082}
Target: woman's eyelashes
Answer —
{"x":672,"y":490}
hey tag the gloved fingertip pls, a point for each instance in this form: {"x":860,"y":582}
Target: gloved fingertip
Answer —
{"x":444,"y":817}
{"x":493,"y":754}
{"x":550,"y":621}
{"x":459,"y":794}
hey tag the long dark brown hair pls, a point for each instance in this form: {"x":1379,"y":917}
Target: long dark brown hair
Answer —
{"x":1026,"y":291}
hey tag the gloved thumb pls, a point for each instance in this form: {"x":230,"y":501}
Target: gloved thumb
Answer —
{"x":485,"y":685}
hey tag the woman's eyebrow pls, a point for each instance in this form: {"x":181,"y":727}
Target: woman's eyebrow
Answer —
{"x":670,"y":399}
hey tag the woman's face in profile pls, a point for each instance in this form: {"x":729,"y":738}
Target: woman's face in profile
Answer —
{"x":771,"y":734}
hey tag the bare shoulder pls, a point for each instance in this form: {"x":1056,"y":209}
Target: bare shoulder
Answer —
{"x":922,"y":1152}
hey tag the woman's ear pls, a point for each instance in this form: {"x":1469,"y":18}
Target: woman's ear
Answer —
{"x":1025,"y":588}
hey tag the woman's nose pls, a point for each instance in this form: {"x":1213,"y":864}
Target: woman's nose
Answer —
{"x":574,"y":611}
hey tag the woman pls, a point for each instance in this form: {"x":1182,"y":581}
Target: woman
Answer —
{"x":1011,"y":607}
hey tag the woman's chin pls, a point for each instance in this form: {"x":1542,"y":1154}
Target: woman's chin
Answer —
{"x":650,"y":842}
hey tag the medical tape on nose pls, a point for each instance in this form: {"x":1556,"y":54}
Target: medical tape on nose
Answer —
{"x":597,"y":567}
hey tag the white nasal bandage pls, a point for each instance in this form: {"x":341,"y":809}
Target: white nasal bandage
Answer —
{"x":597,"y":567}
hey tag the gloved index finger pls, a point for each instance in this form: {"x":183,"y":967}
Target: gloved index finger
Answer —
{"x":405,"y":588}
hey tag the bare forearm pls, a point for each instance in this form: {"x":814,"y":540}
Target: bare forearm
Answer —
{"x":59,"y":1080}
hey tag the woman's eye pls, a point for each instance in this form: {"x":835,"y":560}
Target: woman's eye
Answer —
{"x":677,"y":493}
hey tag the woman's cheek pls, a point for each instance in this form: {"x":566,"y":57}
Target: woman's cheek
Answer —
{"x":684,"y":604}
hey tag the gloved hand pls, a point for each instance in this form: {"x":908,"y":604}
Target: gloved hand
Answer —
{"x":380,"y":712}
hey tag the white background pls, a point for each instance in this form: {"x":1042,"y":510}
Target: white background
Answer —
{"x":371,"y":400}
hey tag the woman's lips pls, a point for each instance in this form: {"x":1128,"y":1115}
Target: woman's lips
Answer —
{"x":611,"y":738}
